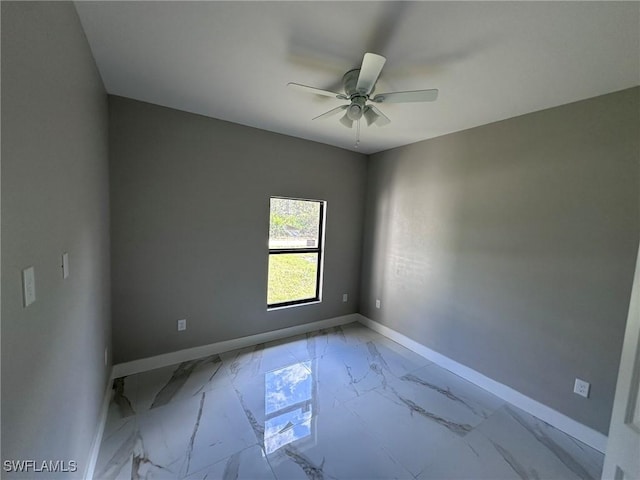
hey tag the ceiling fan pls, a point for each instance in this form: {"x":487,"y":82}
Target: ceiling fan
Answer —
{"x":359,"y":85}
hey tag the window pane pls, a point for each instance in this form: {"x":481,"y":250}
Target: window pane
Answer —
{"x":292,"y":276}
{"x":294,"y":223}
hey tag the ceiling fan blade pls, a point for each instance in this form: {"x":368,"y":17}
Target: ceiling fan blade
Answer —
{"x":405,"y":97}
{"x":369,"y":72}
{"x":331,"y":112}
{"x":317,"y":91}
{"x":346,"y":121}
{"x":381,"y":119}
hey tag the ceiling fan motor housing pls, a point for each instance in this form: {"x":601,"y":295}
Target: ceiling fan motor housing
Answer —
{"x":358,"y":99}
{"x":350,"y":81}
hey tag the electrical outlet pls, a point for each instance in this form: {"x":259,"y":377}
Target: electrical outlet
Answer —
{"x":377,"y":303}
{"x":182,"y":324}
{"x":345,"y":297}
{"x":581,"y":388}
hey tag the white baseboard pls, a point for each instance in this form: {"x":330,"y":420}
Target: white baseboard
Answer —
{"x":149,"y":363}
{"x":97,"y":441}
{"x":560,"y":421}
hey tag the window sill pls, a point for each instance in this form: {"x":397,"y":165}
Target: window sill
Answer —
{"x":312,"y":302}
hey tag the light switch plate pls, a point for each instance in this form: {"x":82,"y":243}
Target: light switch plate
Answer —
{"x":65,"y":265}
{"x":182,"y":324}
{"x":29,"y":286}
{"x":345,"y":297}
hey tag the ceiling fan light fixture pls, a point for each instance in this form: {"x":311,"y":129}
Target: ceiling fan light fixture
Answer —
{"x":370,"y":116}
{"x":356,"y":108}
{"x":346,"y":121}
{"x":354,"y":112}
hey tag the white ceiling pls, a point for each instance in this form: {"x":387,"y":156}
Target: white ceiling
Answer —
{"x":490,"y":60}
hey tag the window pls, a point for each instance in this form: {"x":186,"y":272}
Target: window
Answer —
{"x":295,"y":251}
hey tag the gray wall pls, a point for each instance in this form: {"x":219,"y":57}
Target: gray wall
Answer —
{"x":510,"y":247}
{"x":54,"y":200}
{"x":190,"y":223}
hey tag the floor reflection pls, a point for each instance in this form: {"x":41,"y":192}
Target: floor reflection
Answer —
{"x":289,"y":405}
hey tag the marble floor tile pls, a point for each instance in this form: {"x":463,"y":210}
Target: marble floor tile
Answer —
{"x":361,"y":368}
{"x":414,"y":439}
{"x":221,"y":429}
{"x":279,"y":389}
{"x":329,"y":341}
{"x":246,"y":363}
{"x":335,"y":446}
{"x":180,"y":438}
{"x":445,"y":395}
{"x":116,"y":450}
{"x":339,"y":403}
{"x":359,"y":331}
{"x":153,"y":389}
{"x":247,"y":464}
{"x":351,"y":373}
{"x":514,"y":444}
{"x":335,"y":340}
{"x":393,"y":357}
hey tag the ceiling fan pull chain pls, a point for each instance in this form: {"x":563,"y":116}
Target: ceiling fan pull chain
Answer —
{"x":358,"y":134}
